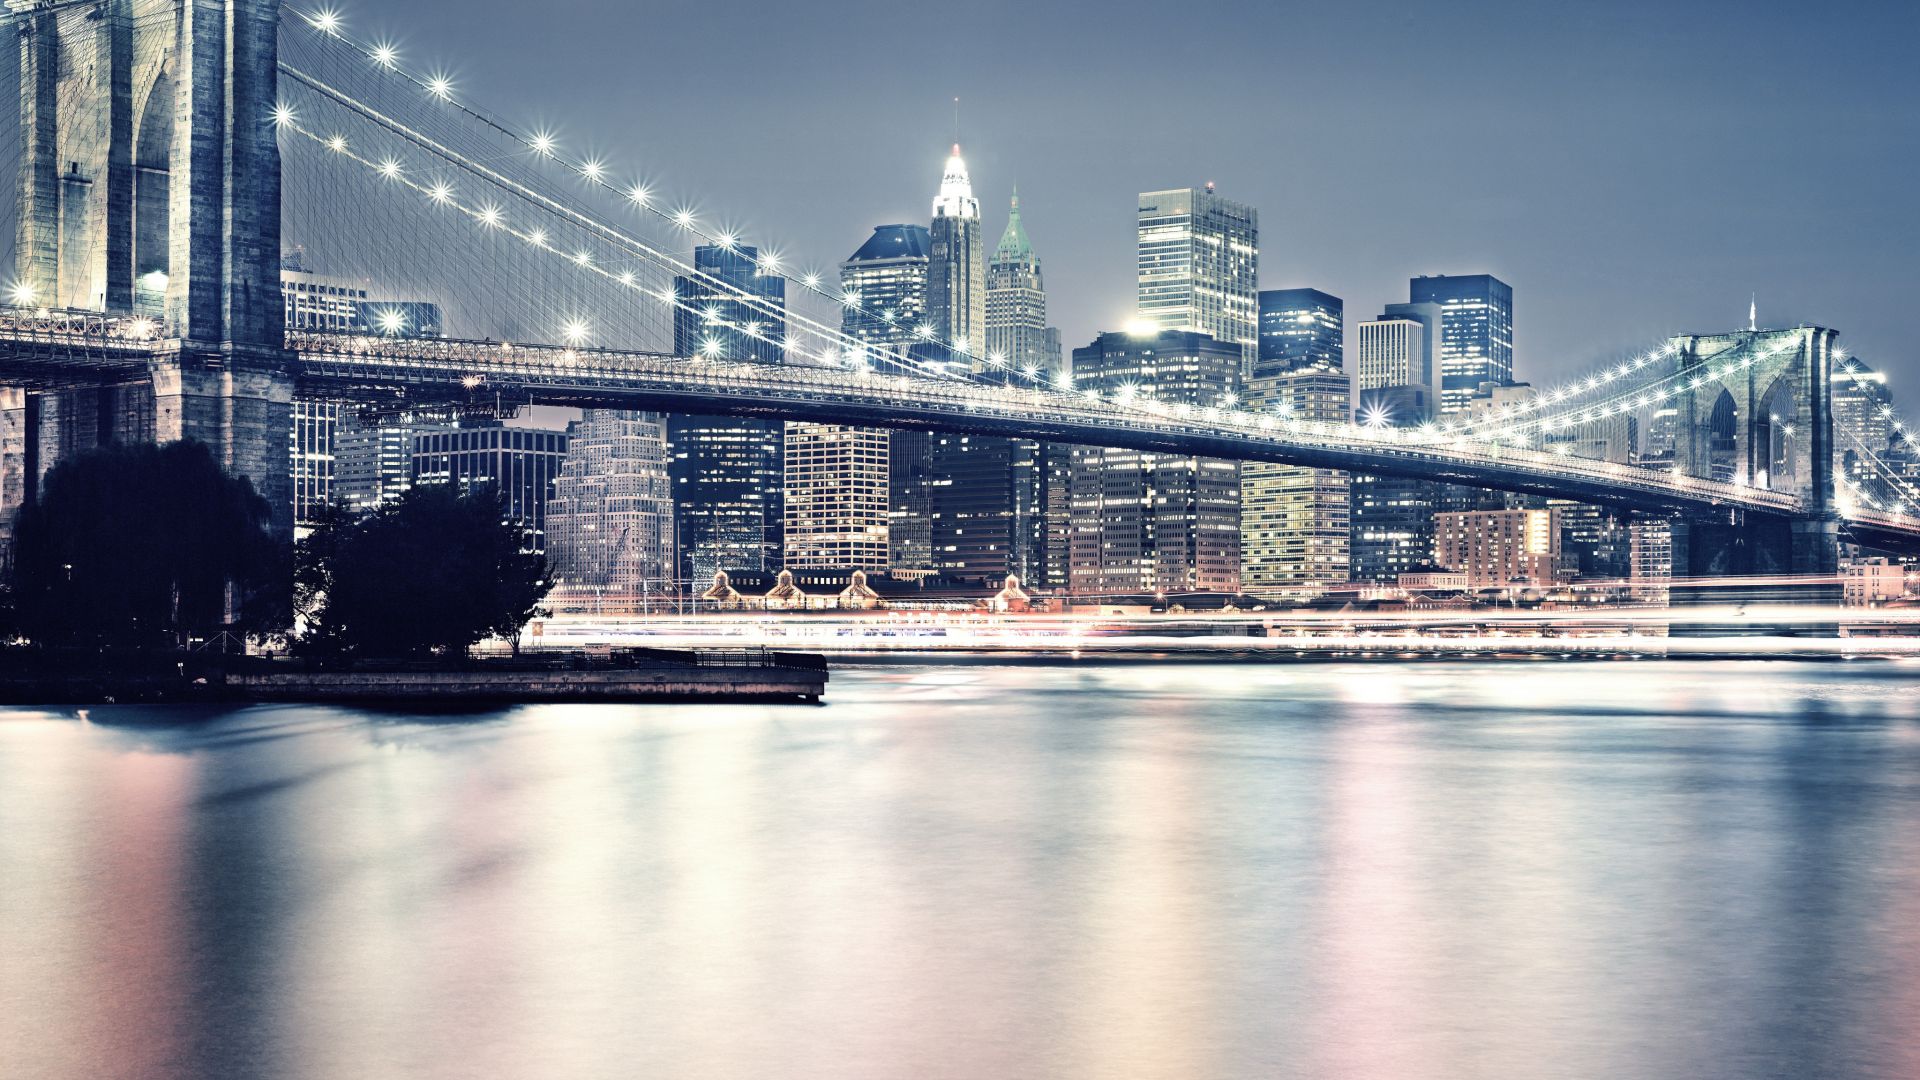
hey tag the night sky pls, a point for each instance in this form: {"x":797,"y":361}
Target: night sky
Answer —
{"x":1632,"y":169}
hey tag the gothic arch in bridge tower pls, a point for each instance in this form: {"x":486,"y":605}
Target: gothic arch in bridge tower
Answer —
{"x":1775,"y":418}
{"x":1723,"y":427}
{"x":152,"y":191}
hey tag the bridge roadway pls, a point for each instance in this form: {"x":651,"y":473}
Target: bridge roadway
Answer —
{"x":49,"y":349}
{"x":352,"y":365}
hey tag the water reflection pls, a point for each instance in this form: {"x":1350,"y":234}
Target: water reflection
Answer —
{"x":1157,"y":870}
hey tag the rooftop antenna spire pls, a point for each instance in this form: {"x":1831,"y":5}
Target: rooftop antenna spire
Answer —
{"x":956,"y":121}
{"x":1753,"y":311}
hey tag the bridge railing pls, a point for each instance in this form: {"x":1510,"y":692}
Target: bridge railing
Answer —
{"x":474,"y":363}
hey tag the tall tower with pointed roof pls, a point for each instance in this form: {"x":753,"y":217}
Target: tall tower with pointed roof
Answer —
{"x":957,"y":272}
{"x":1018,"y":339}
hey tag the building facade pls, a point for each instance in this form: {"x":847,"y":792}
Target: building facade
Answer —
{"x":837,"y":508}
{"x":1395,"y":350}
{"x":1146,"y":522}
{"x":1199,"y":264}
{"x":372,"y":459}
{"x":520,"y":462}
{"x":1295,"y":523}
{"x":1476,"y":336}
{"x":312,"y":447}
{"x":610,"y":521}
{"x":726,"y":472}
{"x":1497,"y":548}
{"x":1391,"y":518}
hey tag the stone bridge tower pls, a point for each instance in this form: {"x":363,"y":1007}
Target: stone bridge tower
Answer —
{"x":1766,"y":425}
{"x":150,"y":185}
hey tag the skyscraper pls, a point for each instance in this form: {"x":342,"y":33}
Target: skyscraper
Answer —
{"x":1018,"y":336}
{"x":1476,"y":334}
{"x":1149,"y":522}
{"x":1294,"y":522}
{"x":725,"y":471}
{"x":887,"y":277}
{"x":725,"y":296}
{"x":1199,"y":264}
{"x":1397,"y":349}
{"x":610,"y":520}
{"x":957,"y":268}
{"x":1300,"y":328}
{"x":990,"y":496}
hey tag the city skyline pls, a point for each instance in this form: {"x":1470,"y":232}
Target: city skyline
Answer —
{"x":1602,"y":183}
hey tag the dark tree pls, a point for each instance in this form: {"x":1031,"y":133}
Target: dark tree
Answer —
{"x":146,"y":546}
{"x":434,"y":573}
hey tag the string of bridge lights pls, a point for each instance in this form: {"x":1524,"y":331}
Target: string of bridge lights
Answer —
{"x":1593,"y":380}
{"x":544,"y":146}
{"x":850,"y":349}
{"x":594,"y":172}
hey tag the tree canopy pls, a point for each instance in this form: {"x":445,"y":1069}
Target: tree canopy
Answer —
{"x":144,"y":546}
{"x":434,"y":573}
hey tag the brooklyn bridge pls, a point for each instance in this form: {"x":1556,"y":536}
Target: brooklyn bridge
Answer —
{"x":164,"y":147}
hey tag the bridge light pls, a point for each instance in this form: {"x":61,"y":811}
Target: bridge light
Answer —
{"x":769,"y":262}
{"x":490,"y":216}
{"x":1030,"y":372}
{"x":583,"y":258}
{"x":710,"y":348}
{"x":1376,"y":416}
{"x":542,"y":144}
{"x":390,"y":169}
{"x":441,"y":87}
{"x":683,"y":218}
{"x":811,"y":281}
{"x":626,"y":278}
{"x":538,"y":238}
{"x":1229,"y":400}
{"x":23,"y":295}
{"x":337,"y":144}
{"x":593,"y":170}
{"x":386,"y":56}
{"x":282,"y":115}
{"x":575,"y":331}
{"x":141,"y":329}
{"x":390,"y":321}
{"x":471,"y":381}
{"x":997,"y":359}
{"x":638,"y":195}
{"x":441,"y":193}
{"x":923,"y":331}
{"x":728,"y":240}
{"x":326,"y":20}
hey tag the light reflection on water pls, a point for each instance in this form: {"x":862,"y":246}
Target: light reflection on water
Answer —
{"x":1147,"y":870}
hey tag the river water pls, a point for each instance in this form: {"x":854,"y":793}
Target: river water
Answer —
{"x":1431,"y":870}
